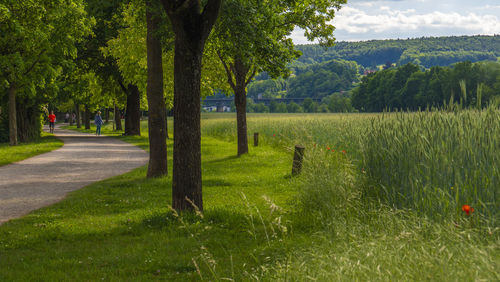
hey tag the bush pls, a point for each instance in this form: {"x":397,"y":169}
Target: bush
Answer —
{"x":294,"y":108}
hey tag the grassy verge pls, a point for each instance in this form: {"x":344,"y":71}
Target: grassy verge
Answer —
{"x":258,"y":224}
{"x":122,"y":228}
{"x":45,"y":144}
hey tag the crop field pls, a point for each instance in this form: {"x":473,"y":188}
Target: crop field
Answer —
{"x":432,"y":162}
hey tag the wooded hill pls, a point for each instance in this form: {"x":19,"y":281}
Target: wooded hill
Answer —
{"x":425,"y":51}
{"x":324,"y":72}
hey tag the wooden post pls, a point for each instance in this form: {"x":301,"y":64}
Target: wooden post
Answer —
{"x":297,"y":159}
{"x":256,"y":139}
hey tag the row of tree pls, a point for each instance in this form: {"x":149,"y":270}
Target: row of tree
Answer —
{"x":410,"y":87}
{"x":92,"y":54}
{"x":335,"y":103}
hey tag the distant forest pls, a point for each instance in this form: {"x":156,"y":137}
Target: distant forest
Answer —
{"x":332,"y":73}
{"x":425,"y":51}
{"x":410,"y":87}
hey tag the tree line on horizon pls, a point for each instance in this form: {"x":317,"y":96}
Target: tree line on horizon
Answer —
{"x":424,"y":51}
{"x":409,"y":87}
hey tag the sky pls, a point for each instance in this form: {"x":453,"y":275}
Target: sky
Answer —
{"x":391,"y":19}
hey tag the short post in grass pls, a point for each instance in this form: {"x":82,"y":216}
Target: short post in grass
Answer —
{"x":298,"y":156}
{"x":256,"y":139}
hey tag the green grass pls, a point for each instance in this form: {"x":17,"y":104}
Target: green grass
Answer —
{"x":10,"y":154}
{"x":122,"y":228}
{"x":258,"y":224}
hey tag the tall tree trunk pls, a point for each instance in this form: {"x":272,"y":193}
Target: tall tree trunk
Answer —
{"x":133,"y":112}
{"x":156,"y":103}
{"x":240,"y":101}
{"x":77,"y":116}
{"x":191,"y":25}
{"x":107,"y":115}
{"x":12,"y":115}
{"x":186,"y":181}
{"x":118,"y":119}
{"x":28,"y":121}
{"x":87,"y":117}
{"x":240,"y":71}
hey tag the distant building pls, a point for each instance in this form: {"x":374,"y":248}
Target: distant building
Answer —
{"x":368,"y":71}
{"x":218,"y":108}
{"x":210,"y":108}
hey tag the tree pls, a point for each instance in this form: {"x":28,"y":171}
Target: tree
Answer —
{"x":156,"y":103}
{"x":92,"y":57}
{"x":294,"y":108}
{"x":253,"y":38}
{"x":140,"y":27}
{"x":280,"y":108}
{"x":36,"y":39}
{"x":191,"y":24}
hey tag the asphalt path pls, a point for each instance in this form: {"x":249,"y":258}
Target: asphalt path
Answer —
{"x":47,"y":178}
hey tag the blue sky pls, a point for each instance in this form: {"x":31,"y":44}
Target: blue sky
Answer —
{"x":389,"y":19}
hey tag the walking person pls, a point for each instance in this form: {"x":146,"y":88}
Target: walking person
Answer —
{"x":52,"y":121}
{"x":98,"y":123}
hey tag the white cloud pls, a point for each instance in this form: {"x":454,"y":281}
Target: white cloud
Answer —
{"x":353,"y":20}
{"x":489,"y":7}
{"x":383,"y":19}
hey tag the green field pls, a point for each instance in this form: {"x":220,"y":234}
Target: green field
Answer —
{"x":379,"y":199}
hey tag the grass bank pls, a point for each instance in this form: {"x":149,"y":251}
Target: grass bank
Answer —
{"x":46,"y":143}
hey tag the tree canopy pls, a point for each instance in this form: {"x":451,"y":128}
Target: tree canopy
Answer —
{"x":409,"y":87}
{"x":37,"y":40}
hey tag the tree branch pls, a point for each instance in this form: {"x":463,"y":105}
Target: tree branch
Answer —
{"x":228,"y":72}
{"x":35,"y":62}
{"x":254,"y":71}
{"x":209,"y":15}
{"x":124,"y":89}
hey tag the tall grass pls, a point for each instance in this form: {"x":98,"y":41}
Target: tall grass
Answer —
{"x":337,"y":131}
{"x":435,"y":162}
{"x":432,"y":162}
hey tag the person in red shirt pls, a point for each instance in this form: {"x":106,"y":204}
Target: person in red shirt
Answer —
{"x":52,"y":120}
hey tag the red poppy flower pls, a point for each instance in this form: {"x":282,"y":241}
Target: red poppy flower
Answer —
{"x":274,"y":135}
{"x":328,"y":148}
{"x":467,"y":209}
{"x":343,"y":151}
{"x":333,"y":150}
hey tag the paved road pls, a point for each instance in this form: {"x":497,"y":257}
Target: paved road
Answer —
{"x":45,"y":179}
